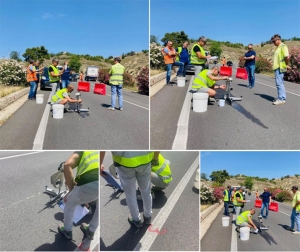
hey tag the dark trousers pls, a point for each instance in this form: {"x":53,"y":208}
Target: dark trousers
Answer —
{"x":226,"y":205}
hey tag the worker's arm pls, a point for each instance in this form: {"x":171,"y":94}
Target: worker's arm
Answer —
{"x":216,"y":78}
{"x":154,"y":161}
{"x":297,"y":201}
{"x":70,"y":164}
{"x":102,"y":155}
{"x":251,"y":222}
{"x":249,"y":58}
{"x":71,"y":100}
{"x":55,"y":75}
{"x":200,"y":56}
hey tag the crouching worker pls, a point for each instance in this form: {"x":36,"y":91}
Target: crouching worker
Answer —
{"x":83,"y":188}
{"x":205,"y":81}
{"x":161,"y":175}
{"x":245,"y":220}
{"x":62,"y":96}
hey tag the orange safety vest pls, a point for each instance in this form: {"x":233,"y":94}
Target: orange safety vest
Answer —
{"x":169,"y":59}
{"x":31,"y":76}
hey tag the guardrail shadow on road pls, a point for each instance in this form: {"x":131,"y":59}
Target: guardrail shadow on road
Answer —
{"x":266,"y":97}
{"x":126,"y":242}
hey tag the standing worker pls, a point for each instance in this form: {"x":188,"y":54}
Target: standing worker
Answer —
{"x":245,"y":220}
{"x":54,"y":75}
{"x":38,"y":71}
{"x":256,"y":195}
{"x":65,"y":78}
{"x":249,"y":58}
{"x":183,"y":55}
{"x":224,"y":61}
{"x":198,"y":57}
{"x":135,"y":166}
{"x":226,"y":199}
{"x":116,"y":81}
{"x":232,"y":197}
{"x":32,"y":79}
{"x":84,"y":188}
{"x":238,"y":201}
{"x":280,"y":65}
{"x":266,"y":199}
{"x":295,"y":216}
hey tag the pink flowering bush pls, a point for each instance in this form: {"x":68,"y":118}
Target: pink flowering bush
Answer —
{"x":143,"y":80}
{"x":218,"y":192}
{"x":293,"y":74}
{"x":104,"y":76}
{"x":284,"y":196}
{"x":276,"y":191}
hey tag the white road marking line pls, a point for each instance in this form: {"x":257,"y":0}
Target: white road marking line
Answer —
{"x":180,"y":140}
{"x":149,"y":237}
{"x":40,"y":134}
{"x":284,"y":213}
{"x":19,"y":155}
{"x":276,"y":88}
{"x":17,"y":202}
{"x":134,"y":104}
{"x":233,"y":236}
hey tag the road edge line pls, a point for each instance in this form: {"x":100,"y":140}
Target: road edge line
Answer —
{"x":40,"y":134}
{"x":233,"y":246}
{"x":181,"y":137}
{"x":133,"y":104}
{"x":147,"y":240}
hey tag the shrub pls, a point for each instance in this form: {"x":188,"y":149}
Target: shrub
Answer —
{"x":284,"y":196}
{"x":207,"y":195}
{"x":275,"y":192}
{"x":156,"y":56}
{"x":143,"y":80}
{"x":293,"y":74}
{"x":218,"y":192}
{"x":262,"y":65}
{"x":128,"y":81}
{"x":103,"y":76}
{"x":12,"y":73}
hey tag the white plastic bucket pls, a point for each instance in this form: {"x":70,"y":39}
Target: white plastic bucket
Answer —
{"x":39,"y":98}
{"x":244,"y":233}
{"x":58,"y":111}
{"x":180,"y":81}
{"x":197,"y":180}
{"x":200,"y":102}
{"x":225,"y":221}
{"x":221,"y":103}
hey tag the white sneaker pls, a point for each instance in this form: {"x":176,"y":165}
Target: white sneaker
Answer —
{"x":296,"y":232}
{"x":111,"y":108}
{"x":278,"y":102}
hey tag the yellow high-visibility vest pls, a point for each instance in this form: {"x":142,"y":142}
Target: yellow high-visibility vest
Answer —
{"x":132,"y":159}
{"x":163,"y":170}
{"x":117,"y":73}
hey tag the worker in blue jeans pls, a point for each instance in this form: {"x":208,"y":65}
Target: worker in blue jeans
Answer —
{"x":266,"y":199}
{"x":250,"y":65}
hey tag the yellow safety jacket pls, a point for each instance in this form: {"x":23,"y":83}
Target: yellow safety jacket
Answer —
{"x":163,"y":170}
{"x":243,"y":217}
{"x":116,"y":72}
{"x":132,"y":159}
{"x":202,"y":80}
{"x":226,"y":198}
{"x":235,"y":202}
{"x":194,"y":58}
{"x":53,"y":78}
{"x":295,"y":199}
{"x":88,"y":168}
{"x":282,"y":64}
{"x":59,"y":95}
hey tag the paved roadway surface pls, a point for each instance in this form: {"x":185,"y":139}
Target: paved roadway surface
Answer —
{"x":28,"y":221}
{"x":253,"y":123}
{"x":98,"y":129}
{"x":277,"y":238}
{"x":180,"y":231}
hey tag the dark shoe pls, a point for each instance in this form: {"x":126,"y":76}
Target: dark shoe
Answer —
{"x":147,"y":220}
{"x":67,"y":234}
{"x":85,"y":229}
{"x":290,"y":229}
{"x":137,"y":224}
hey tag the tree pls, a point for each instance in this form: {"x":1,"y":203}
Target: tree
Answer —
{"x":74,"y":63}
{"x":219,"y":176}
{"x":36,"y":53}
{"x":176,"y":37}
{"x":203,"y":176}
{"x":248,"y":183}
{"x":215,"y":49}
{"x":153,"y":39}
{"x":15,"y":55}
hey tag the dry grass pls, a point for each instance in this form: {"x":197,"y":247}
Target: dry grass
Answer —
{"x":6,"y":90}
{"x":156,"y":71}
{"x":202,"y":207}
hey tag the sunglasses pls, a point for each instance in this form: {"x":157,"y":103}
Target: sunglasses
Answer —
{"x":274,"y":40}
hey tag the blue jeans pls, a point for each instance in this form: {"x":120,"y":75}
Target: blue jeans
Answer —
{"x":251,"y":76}
{"x":64,"y":83}
{"x":169,"y":71}
{"x":32,"y":89}
{"x":184,"y":68}
{"x":279,"y":84}
{"x":295,"y":217}
{"x":226,"y":205}
{"x":116,"y":89}
{"x":181,"y":66}
{"x":263,"y":206}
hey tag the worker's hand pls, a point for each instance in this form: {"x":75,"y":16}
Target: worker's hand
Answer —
{"x":223,"y":86}
{"x":225,"y":78}
{"x":101,"y":170}
{"x":80,"y":100}
{"x":154,"y":162}
{"x":288,"y":67}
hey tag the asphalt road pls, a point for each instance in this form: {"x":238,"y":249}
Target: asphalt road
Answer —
{"x":174,"y":232}
{"x":253,"y":123}
{"x":98,"y":129}
{"x":29,"y":222}
{"x":277,"y":238}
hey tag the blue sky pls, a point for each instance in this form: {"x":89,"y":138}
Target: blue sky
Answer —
{"x":237,"y":21}
{"x":264,"y":164}
{"x":94,"y":27}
